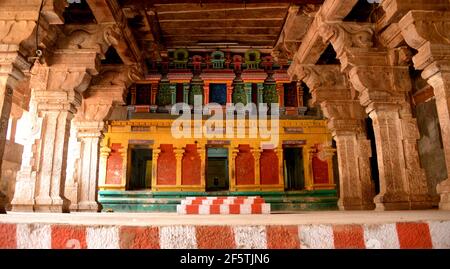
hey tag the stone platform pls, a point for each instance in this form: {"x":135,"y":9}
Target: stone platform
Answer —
{"x":331,"y":229}
{"x":280,"y":201}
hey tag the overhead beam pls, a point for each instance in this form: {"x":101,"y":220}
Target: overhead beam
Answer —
{"x":227,"y":14}
{"x":196,"y":8}
{"x":149,"y":3}
{"x":197,"y":24}
{"x":222,"y":30}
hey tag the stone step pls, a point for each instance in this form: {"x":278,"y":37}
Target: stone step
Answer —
{"x":224,"y":209}
{"x":219,"y":201}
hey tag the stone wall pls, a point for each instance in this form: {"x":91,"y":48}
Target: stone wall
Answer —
{"x":431,"y":151}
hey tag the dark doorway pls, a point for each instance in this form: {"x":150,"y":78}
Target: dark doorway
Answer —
{"x":294,"y":177}
{"x":255,"y":93}
{"x":290,"y":94}
{"x":217,"y":169}
{"x":143,"y":94}
{"x":180,"y":93}
{"x":141,"y":169}
{"x":218,"y":93}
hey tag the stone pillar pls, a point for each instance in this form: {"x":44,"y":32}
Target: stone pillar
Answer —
{"x":232,"y":154}
{"x":89,"y":133}
{"x":205,"y":93}
{"x":155,"y":153}
{"x":104,"y":154}
{"x":429,"y":33}
{"x":382,"y":79}
{"x":73,"y":172}
{"x":57,"y":114}
{"x":331,"y":90}
{"x":106,"y":91}
{"x":280,"y":90}
{"x":56,"y":92}
{"x":256,"y":152}
{"x":17,"y":22}
{"x":229,"y":93}
{"x":202,"y":152}
{"x":279,"y":152}
{"x":179,"y":156}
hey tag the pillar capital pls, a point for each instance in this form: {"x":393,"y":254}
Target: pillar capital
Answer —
{"x":326,"y":82}
{"x":427,"y":32}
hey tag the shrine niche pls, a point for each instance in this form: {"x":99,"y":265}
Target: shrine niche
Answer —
{"x":217,"y":59}
{"x":114,"y":165}
{"x":245,"y":166}
{"x":166,"y":175}
{"x":181,"y":58}
{"x":191,"y":166}
{"x":252,"y":59}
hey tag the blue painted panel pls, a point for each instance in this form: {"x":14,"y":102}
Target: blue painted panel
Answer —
{"x":218,"y":93}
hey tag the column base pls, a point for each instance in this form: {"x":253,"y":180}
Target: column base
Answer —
{"x":89,"y":207}
{"x":354,"y":205}
{"x":22,"y":208}
{"x":58,"y":205}
{"x":443,"y":189}
{"x":421,"y":202}
{"x":391,"y":201}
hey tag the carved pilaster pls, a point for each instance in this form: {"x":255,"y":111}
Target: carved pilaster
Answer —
{"x":279,"y":152}
{"x":202,"y":153}
{"x":382,"y":80}
{"x":330,"y":88}
{"x":155,"y":154}
{"x":71,"y":190}
{"x":179,"y":157}
{"x":89,"y":133}
{"x":104,"y":154}
{"x":429,"y":33}
{"x":257,"y":155}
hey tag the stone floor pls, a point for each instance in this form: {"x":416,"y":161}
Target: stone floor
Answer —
{"x":157,"y":219}
{"x":331,"y":229}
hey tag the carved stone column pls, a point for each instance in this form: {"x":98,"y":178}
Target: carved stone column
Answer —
{"x":89,"y":133}
{"x":330,"y":88}
{"x":57,"y":85}
{"x":106,"y":91}
{"x":382,"y":79}
{"x":429,"y":33}
{"x":73,"y":172}
{"x":104,"y":154}
{"x":17,"y":22}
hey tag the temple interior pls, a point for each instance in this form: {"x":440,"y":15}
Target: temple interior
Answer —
{"x":310,"y":104}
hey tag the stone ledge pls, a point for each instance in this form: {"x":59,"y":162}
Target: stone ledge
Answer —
{"x":400,"y":235}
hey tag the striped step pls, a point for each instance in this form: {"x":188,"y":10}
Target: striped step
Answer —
{"x":226,"y":201}
{"x":219,"y":197}
{"x":223,"y":209}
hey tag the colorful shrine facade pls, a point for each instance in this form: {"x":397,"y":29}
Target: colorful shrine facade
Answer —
{"x":185,"y":164}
